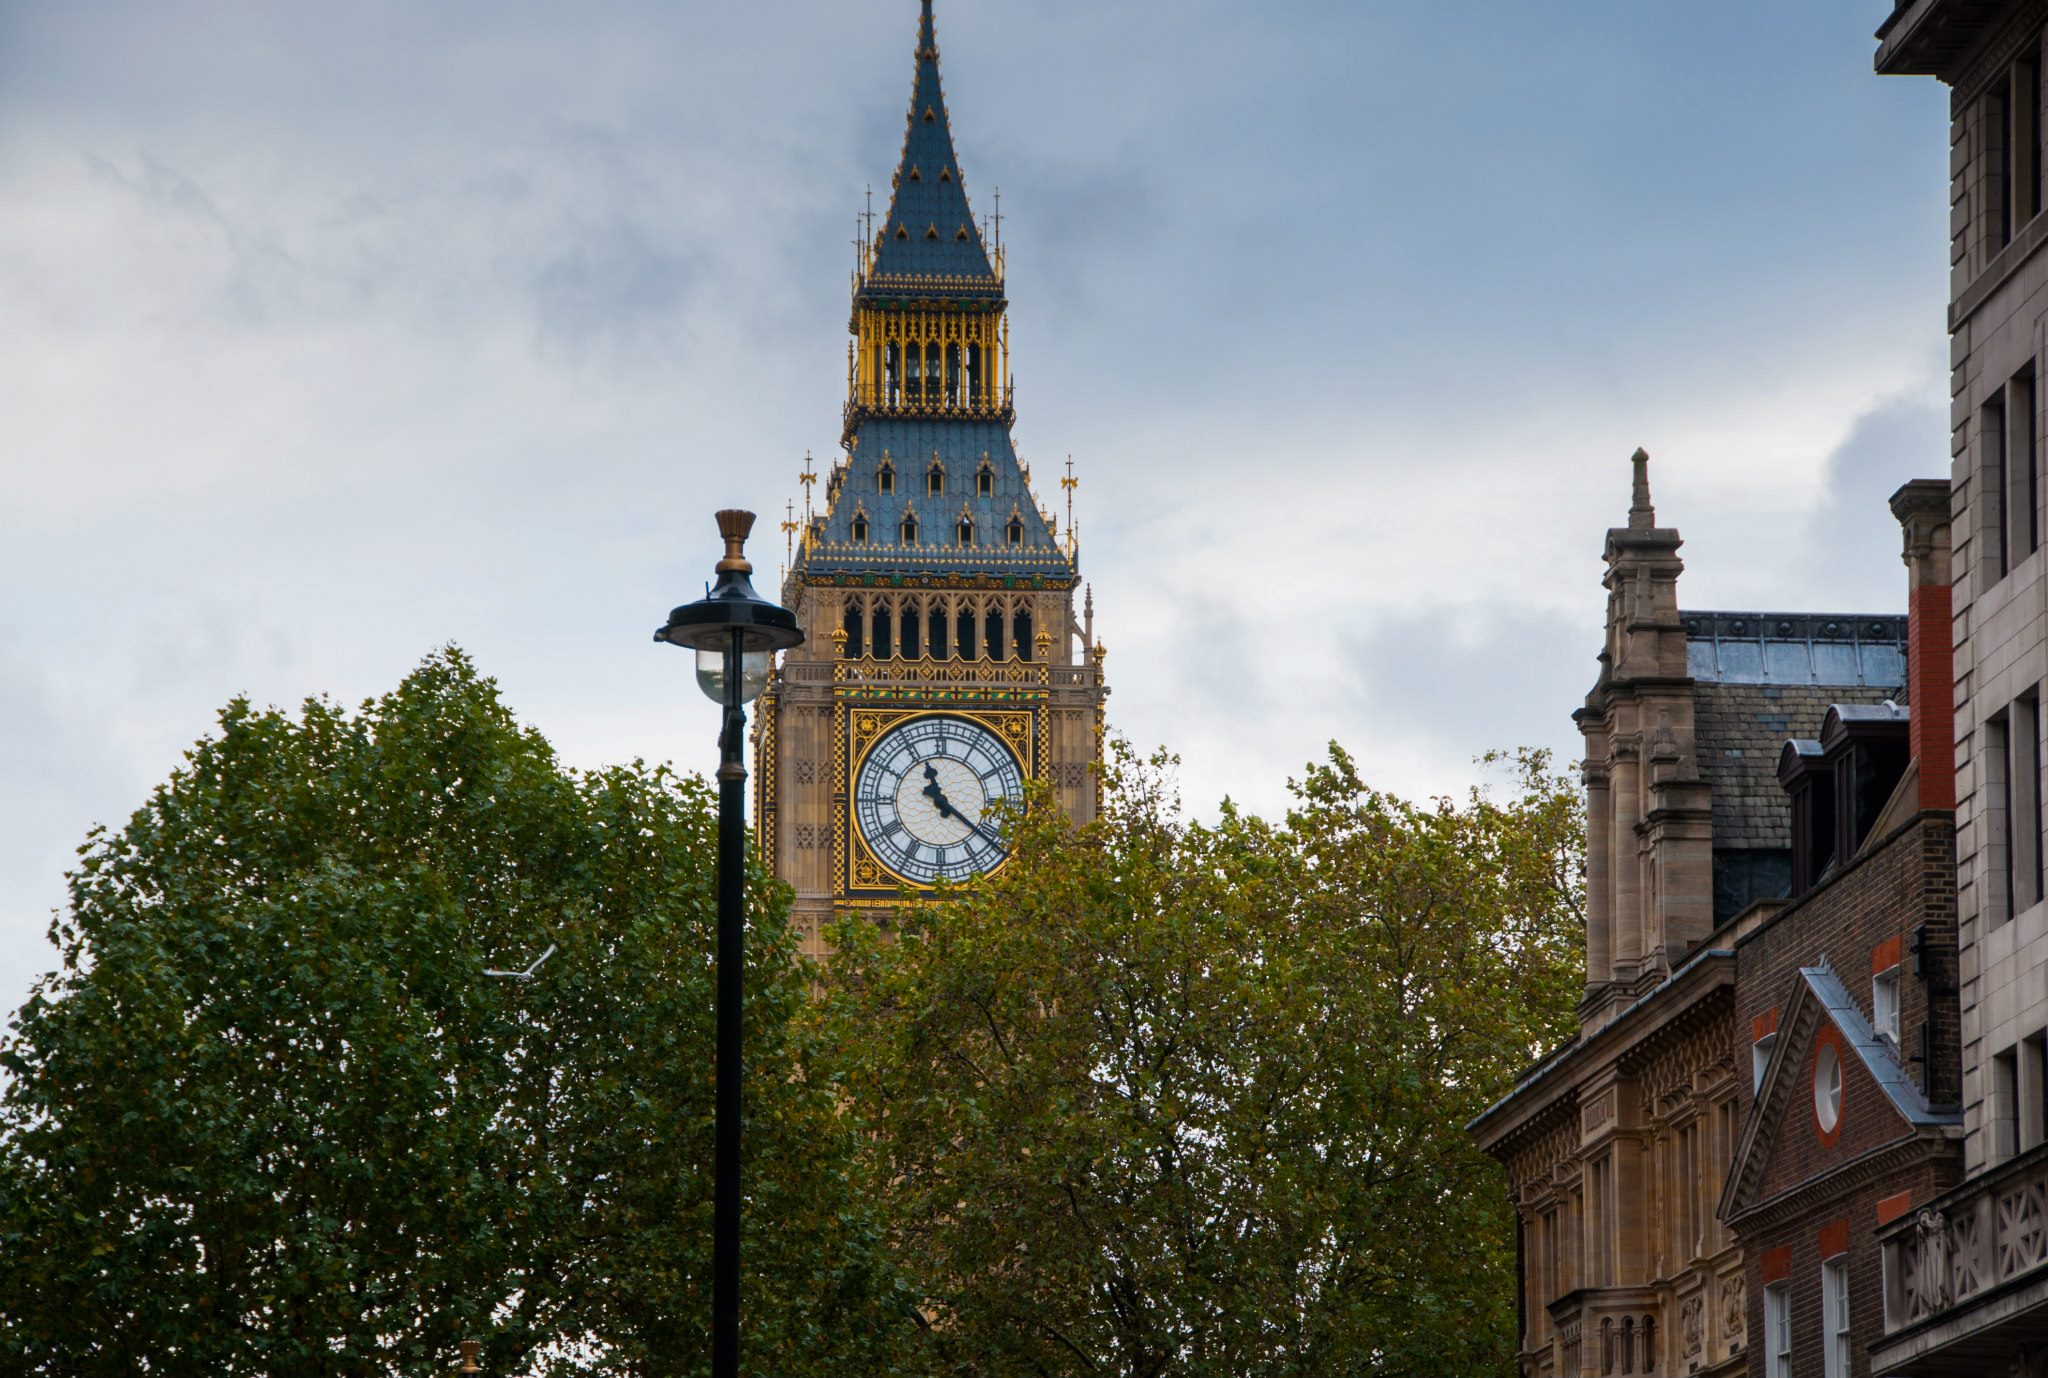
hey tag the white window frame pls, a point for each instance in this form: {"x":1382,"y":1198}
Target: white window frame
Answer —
{"x":1778,"y":1330}
{"x":1884,"y":1004}
{"x":1759,"y":1059}
{"x":1834,"y":1314}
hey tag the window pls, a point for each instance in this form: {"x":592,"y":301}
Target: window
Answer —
{"x":2012,"y":152}
{"x":935,"y":633}
{"x":885,"y":479}
{"x":2023,"y":819}
{"x":985,"y":480}
{"x":966,"y":532}
{"x":854,"y":626}
{"x":2005,"y":1104}
{"x":1884,"y":1005}
{"x":1778,"y":1330}
{"x":909,"y":530}
{"x":1995,"y":486}
{"x":880,"y":631}
{"x":1020,"y":634}
{"x":1827,"y":1087}
{"x":1015,"y":532}
{"x":935,"y":479}
{"x":2032,"y":1114}
{"x":860,"y":528}
{"x":2022,"y":461}
{"x":1759,"y":1059}
{"x":1834,"y":1315}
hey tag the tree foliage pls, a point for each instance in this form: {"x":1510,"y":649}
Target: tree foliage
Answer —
{"x":270,"y":1118}
{"x":1166,"y":1099}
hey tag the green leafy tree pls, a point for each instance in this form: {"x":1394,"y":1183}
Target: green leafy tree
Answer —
{"x":1167,"y":1099}
{"x":271,"y":1118}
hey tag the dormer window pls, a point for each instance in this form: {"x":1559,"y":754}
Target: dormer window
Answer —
{"x":885,"y":479}
{"x":935,"y":480}
{"x":909,"y":528}
{"x":966,"y":529}
{"x":985,"y":480}
{"x":860,"y":528}
{"x":1016,"y":529}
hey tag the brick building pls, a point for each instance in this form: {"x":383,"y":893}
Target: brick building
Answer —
{"x":1847,"y":994}
{"x":1617,"y":1146}
{"x":1966,"y":1272}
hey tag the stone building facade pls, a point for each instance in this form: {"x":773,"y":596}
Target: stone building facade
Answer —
{"x":1966,"y":1273}
{"x":1616,"y":1148}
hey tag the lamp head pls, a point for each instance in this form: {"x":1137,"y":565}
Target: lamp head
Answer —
{"x":731,"y":619}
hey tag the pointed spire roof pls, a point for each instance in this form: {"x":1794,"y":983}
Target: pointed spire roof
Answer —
{"x":930,"y":230}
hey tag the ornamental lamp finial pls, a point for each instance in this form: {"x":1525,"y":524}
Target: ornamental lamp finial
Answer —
{"x":735,"y":526}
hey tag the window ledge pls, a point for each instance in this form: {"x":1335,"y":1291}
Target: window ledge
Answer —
{"x":2002,"y":266}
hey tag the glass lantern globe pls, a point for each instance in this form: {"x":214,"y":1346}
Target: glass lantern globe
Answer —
{"x":754,"y":668}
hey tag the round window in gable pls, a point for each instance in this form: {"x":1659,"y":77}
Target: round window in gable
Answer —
{"x":1827,"y":1087}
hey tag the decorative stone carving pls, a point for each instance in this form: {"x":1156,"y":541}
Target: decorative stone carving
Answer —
{"x":1692,"y":1325}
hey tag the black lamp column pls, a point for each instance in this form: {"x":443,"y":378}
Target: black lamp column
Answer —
{"x":735,"y":634}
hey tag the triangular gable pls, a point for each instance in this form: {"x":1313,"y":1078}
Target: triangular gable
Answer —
{"x":1879,"y":1099}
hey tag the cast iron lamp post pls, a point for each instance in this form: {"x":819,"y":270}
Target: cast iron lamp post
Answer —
{"x":735,"y":633}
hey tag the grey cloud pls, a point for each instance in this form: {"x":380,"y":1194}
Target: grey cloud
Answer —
{"x":1469,"y":678}
{"x":614,"y":285}
{"x":1852,"y":541}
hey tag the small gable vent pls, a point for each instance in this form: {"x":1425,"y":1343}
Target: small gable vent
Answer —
{"x":931,"y":232}
{"x":961,"y":234}
{"x":945,"y":175}
{"x":902,"y":233}
{"x":916,"y":175}
{"x":930,"y":116}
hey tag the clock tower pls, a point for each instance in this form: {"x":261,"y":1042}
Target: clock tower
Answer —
{"x":944,"y":665}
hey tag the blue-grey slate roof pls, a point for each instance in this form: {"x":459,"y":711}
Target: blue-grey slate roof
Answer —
{"x":928,"y":210}
{"x":910,"y":446}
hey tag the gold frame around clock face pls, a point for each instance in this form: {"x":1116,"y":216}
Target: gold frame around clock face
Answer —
{"x":862,"y":872}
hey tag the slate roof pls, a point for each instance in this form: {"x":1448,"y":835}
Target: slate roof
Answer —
{"x":1761,"y":678}
{"x":1877,"y":1055}
{"x":909,"y":447}
{"x":930,"y":230}
{"x":947,"y":267}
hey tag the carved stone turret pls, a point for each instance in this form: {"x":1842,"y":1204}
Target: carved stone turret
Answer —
{"x":1649,"y":824}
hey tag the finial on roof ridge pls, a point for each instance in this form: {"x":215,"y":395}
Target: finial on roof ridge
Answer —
{"x":1642,"y":516}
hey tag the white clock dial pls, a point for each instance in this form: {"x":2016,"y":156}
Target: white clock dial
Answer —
{"x":923,"y":795}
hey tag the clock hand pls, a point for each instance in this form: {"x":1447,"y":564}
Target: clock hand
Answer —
{"x":937,"y":795}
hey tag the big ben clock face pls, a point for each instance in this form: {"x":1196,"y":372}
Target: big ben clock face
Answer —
{"x":923,"y":797}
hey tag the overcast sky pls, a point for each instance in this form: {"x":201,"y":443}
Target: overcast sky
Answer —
{"x":333,"y":333}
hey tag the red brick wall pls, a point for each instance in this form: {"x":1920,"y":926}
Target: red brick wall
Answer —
{"x":1931,"y":689}
{"x":1857,"y":916}
{"x":1811,"y":1239}
{"x":1878,"y":900}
